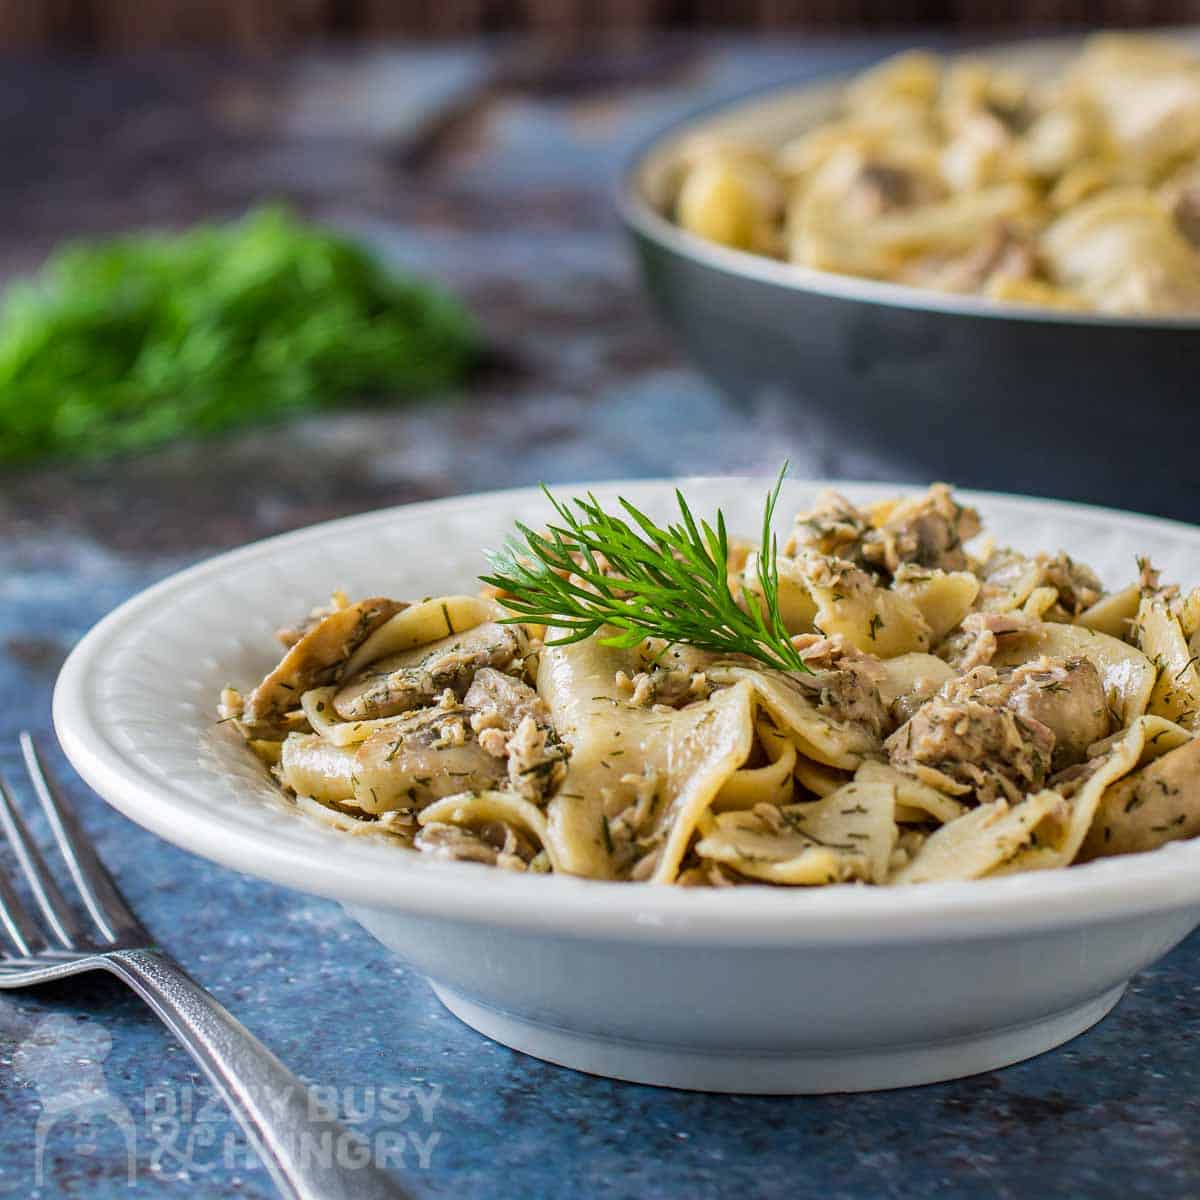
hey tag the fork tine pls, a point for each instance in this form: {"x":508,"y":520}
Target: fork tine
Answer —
{"x":50,"y":900}
{"x":96,"y":887}
{"x":16,"y":921}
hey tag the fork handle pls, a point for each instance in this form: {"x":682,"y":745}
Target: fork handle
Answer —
{"x":270,"y":1103}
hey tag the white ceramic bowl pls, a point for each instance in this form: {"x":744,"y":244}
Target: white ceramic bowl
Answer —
{"x":748,"y":990}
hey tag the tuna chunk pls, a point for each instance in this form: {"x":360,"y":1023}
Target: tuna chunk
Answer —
{"x":512,"y":723}
{"x":1000,"y":733}
{"x":1067,"y":697}
{"x":1078,"y":585}
{"x":977,"y":639}
{"x":499,"y":701}
{"x":966,"y":740}
{"x":928,"y":531}
{"x":495,"y":843}
{"x":834,"y":528}
{"x":844,"y":682}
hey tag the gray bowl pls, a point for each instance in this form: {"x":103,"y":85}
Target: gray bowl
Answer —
{"x":1075,"y":405}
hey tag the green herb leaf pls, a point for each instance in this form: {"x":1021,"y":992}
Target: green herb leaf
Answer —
{"x":127,"y":343}
{"x":594,"y":570}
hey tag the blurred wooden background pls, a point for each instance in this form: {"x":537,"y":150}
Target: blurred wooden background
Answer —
{"x":118,"y":24}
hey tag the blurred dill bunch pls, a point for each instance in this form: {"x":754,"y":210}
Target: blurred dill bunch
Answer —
{"x":126,"y":343}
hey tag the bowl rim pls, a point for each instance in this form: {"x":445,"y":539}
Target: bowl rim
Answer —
{"x":366,"y":875}
{"x":644,"y":220}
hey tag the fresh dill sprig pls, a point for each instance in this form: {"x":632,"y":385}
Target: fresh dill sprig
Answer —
{"x":595,"y":569}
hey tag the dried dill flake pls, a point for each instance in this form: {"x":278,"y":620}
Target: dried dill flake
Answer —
{"x":124,"y":344}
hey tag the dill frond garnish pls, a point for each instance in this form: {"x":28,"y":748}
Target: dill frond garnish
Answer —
{"x":594,"y":569}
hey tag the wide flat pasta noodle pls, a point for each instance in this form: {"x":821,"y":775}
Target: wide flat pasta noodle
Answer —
{"x":313,"y":767}
{"x":872,"y":619}
{"x":909,"y":675}
{"x":915,"y":801}
{"x":977,"y":842}
{"x":817,"y":777}
{"x":1010,"y":579}
{"x":1157,"y":803}
{"x":694,"y":751}
{"x":847,"y":835}
{"x":942,"y":598}
{"x":739,"y":840}
{"x":317,"y":706}
{"x":1112,"y":614}
{"x":1176,"y":693}
{"x":768,"y":784}
{"x":817,"y":736}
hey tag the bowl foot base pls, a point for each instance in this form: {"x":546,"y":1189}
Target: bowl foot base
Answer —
{"x":757,"y":1073}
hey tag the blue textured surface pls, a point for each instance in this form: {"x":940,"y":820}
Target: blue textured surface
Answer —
{"x":508,"y":206}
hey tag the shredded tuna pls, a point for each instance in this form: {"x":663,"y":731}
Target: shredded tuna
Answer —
{"x":968,"y":735}
{"x":511,"y":721}
{"x":495,"y":844}
{"x":663,"y":687}
{"x":1077,"y":584}
{"x":499,"y":701}
{"x":834,"y":527}
{"x":999,"y":730}
{"x":844,"y":683}
{"x":638,"y":689}
{"x":976,"y":641}
{"x":535,"y":760}
{"x":928,"y":531}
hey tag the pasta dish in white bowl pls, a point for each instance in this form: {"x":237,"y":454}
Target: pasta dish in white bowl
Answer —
{"x":879,"y":703}
{"x":925,"y":794}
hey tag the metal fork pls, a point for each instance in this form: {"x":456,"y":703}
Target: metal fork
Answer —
{"x":270,"y":1103}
